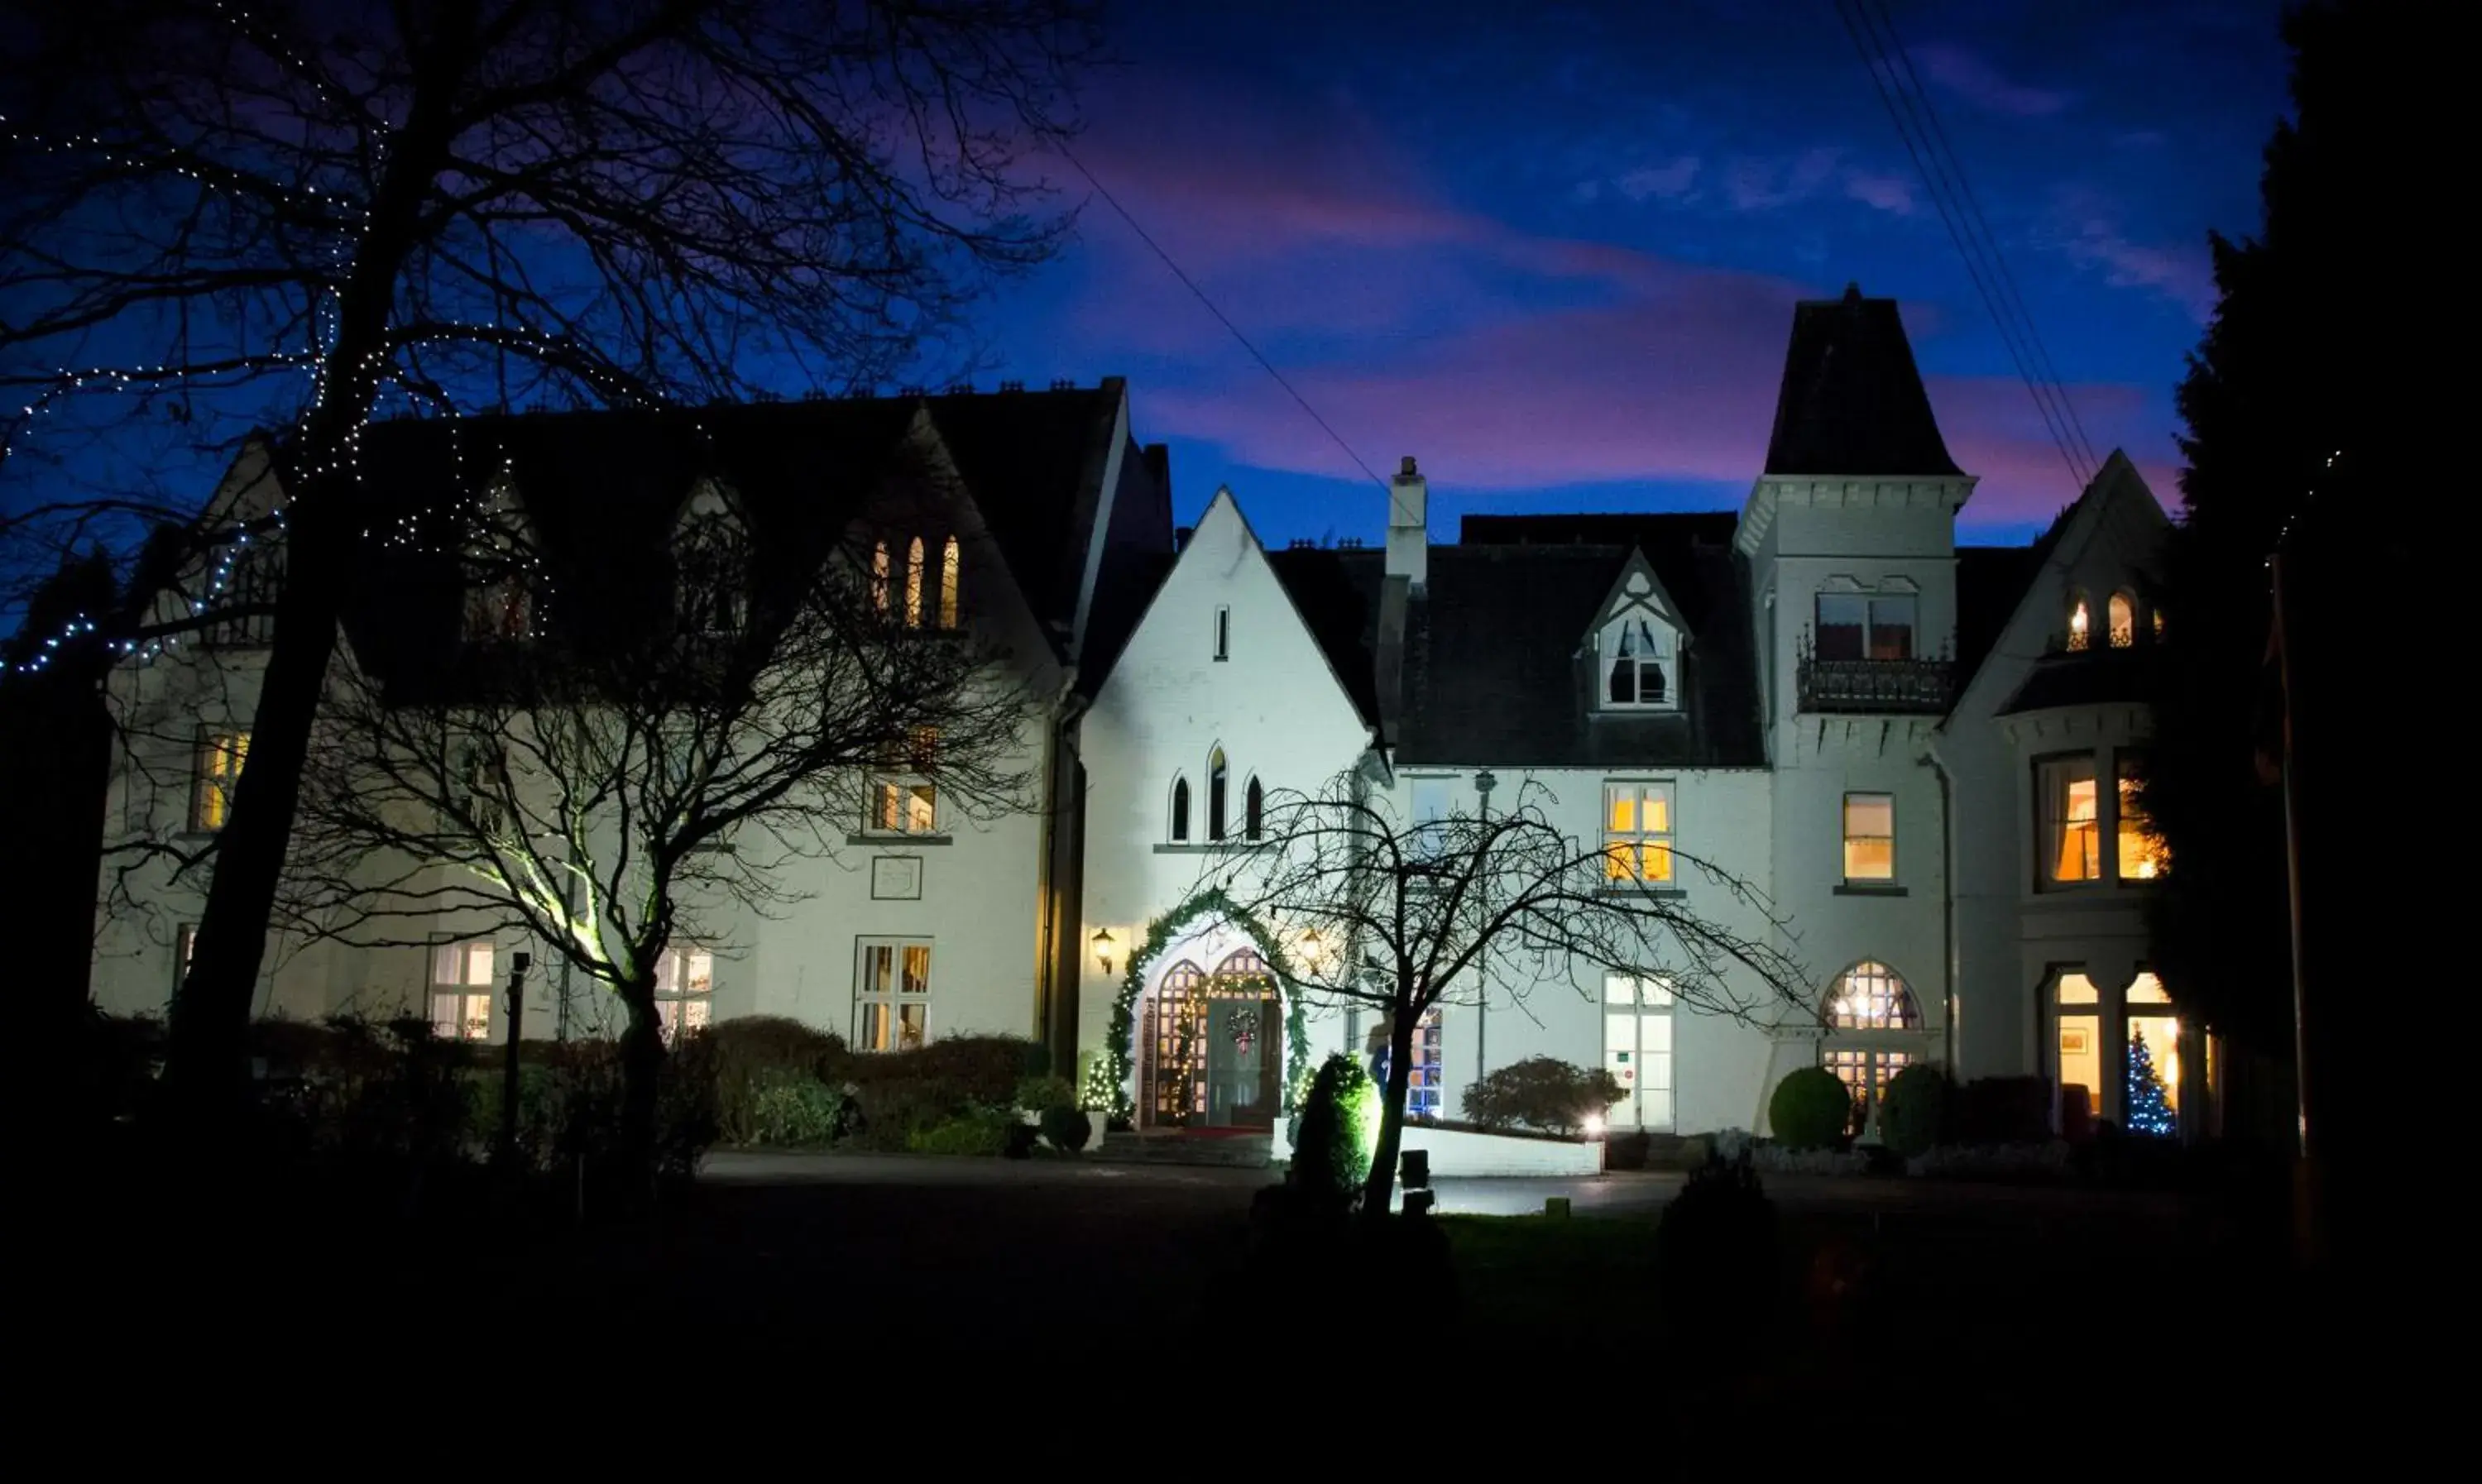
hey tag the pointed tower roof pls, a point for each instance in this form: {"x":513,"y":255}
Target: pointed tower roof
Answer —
{"x":1852,"y":401}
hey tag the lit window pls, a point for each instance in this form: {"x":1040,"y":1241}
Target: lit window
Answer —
{"x":1422,"y":1068}
{"x":460,"y":990}
{"x":1871,"y":997}
{"x":221,"y":755}
{"x":1216,"y":783}
{"x":1865,"y":626}
{"x":1637,"y":832}
{"x":1637,"y":664}
{"x":2158,"y":622}
{"x":2135,"y":1030}
{"x":2123,"y":620}
{"x":2142,"y":856}
{"x":2072,"y":838}
{"x":904,"y":798}
{"x":1431,"y":807}
{"x":1181,"y":811}
{"x":878,"y":571}
{"x":2080,"y":623}
{"x":1869,"y":837}
{"x":684,"y":990}
{"x":1223,"y":634}
{"x":1865,"y":1072}
{"x":948,"y":575}
{"x":913,"y":584}
{"x":1637,"y":1050}
{"x":1253,"y":812}
{"x":893,"y":995}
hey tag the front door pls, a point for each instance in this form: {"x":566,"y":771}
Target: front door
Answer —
{"x":1240,"y":1067}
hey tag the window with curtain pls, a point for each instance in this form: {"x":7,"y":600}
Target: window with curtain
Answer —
{"x":684,"y":988}
{"x":1637,"y":833}
{"x":893,"y":995}
{"x":2122,"y":613}
{"x":904,"y":797}
{"x":949,"y":572}
{"x":1637,"y":653}
{"x":2071,"y":824}
{"x":220,"y":756}
{"x":461,"y":989}
{"x":1869,"y":837}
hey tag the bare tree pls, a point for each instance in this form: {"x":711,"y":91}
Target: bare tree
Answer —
{"x":599,"y":788}
{"x":314,"y":210}
{"x":1468,"y":908}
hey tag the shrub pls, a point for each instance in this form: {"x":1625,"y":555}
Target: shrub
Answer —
{"x":2004,"y":1110}
{"x":789,"y":1107}
{"x":1716,"y":1257}
{"x":980,"y":1070}
{"x":1809,"y":1109}
{"x":1339,"y":1124}
{"x":1541,"y":1091}
{"x":754,"y":1056}
{"x":981,"y":1132}
{"x":1067,"y":1130}
{"x":1042,"y":1094}
{"x":1913,"y":1112}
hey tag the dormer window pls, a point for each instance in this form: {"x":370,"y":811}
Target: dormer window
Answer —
{"x":1639,"y":664}
{"x":924,"y":604}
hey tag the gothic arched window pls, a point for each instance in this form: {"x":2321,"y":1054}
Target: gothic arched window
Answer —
{"x":1217,"y":786}
{"x":1254,"y":810}
{"x":1181,"y":811}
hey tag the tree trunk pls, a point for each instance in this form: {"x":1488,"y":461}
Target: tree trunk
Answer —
{"x":207,"y":1074}
{"x":641,"y":1084}
{"x":1378,"y":1191}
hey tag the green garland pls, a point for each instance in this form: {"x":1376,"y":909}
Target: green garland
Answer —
{"x":1118,"y":1069}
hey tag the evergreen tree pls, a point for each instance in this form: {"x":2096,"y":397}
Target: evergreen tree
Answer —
{"x":2149,"y":1109}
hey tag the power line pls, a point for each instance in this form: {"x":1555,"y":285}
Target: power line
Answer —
{"x":1222,"y":318}
{"x":1865,"y":45}
{"x":1975,"y":217}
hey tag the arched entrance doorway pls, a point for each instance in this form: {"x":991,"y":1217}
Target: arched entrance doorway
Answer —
{"x":1875,"y":1031}
{"x":1209,"y":1045}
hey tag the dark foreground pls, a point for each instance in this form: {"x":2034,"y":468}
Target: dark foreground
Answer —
{"x":1985,"y":1305}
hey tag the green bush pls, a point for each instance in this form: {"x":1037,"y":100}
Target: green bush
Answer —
{"x":1913,"y":1112}
{"x":1809,"y":1109}
{"x":1067,"y":1130}
{"x":1541,"y":1091}
{"x":981,"y":1132}
{"x":754,"y":1057}
{"x":1045,"y":1092}
{"x":790,"y":1108}
{"x":1339,"y":1123}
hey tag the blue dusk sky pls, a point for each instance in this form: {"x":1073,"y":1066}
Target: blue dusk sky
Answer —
{"x":1553,"y":249}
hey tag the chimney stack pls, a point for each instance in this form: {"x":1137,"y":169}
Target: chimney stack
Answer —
{"x":1409,"y":526}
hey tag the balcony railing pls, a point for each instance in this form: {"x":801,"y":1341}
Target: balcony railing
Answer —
{"x":1874,"y":685}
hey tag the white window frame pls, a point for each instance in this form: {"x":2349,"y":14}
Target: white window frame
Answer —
{"x":1637,"y":839}
{"x":463,"y":978}
{"x":1432,"y":800}
{"x":1845,"y":819}
{"x":889,"y":987}
{"x":684,"y":988}
{"x":1664,"y":659}
{"x":894,"y":792}
{"x":2053,"y":824}
{"x":1869,"y":599}
{"x":1642,"y":1052}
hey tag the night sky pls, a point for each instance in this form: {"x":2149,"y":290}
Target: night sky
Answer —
{"x":1552,"y":250}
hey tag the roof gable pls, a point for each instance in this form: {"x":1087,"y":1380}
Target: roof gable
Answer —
{"x":1636,"y":590}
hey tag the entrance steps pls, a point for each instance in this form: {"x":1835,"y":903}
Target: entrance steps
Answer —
{"x":1234,"y":1150}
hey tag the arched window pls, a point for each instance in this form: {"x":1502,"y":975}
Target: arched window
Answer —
{"x":1216,"y":788}
{"x":948,"y":585}
{"x":2079,"y":621}
{"x":1242,"y":964}
{"x":913,"y":584}
{"x":1871,"y":997}
{"x":1254,"y":810}
{"x":1179,"y":810}
{"x":879,"y":578}
{"x":2158,"y":622}
{"x":2123,"y":620}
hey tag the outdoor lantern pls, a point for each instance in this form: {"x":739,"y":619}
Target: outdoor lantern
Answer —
{"x":1104,"y":948}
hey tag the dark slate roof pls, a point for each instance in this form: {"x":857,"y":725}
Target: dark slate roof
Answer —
{"x":602,"y":488}
{"x":1991,"y":582}
{"x":2089,"y":678}
{"x":1495,"y":669}
{"x":1852,"y":400}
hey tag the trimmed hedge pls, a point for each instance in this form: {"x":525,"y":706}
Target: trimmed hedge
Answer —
{"x":1913,"y":1112}
{"x":1542,"y":1092}
{"x":1809,"y":1109}
{"x":1339,"y":1124}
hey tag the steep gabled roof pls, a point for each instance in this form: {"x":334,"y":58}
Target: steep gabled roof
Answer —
{"x":1852,"y":400}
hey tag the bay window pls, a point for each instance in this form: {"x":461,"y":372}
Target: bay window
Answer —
{"x":2072,"y":823}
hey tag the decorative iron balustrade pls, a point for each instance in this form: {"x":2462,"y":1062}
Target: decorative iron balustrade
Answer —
{"x":1870,"y":685}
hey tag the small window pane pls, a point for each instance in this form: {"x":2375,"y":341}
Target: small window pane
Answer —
{"x":478,"y":962}
{"x":1891,"y":627}
{"x":911,"y":1020}
{"x":1843,"y":618}
{"x":917,"y":969}
{"x":1619,"y":989}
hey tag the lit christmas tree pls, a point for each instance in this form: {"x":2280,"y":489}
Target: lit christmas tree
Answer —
{"x":2148,"y":1111}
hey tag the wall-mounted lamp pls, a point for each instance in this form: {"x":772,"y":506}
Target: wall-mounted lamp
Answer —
{"x":1104,"y":948}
